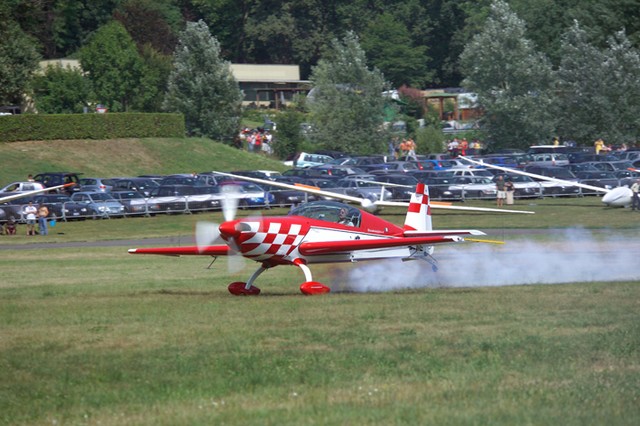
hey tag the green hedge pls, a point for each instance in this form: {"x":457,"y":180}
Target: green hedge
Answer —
{"x":24,"y":127}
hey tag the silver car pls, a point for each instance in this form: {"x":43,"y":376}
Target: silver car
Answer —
{"x":100,"y":204}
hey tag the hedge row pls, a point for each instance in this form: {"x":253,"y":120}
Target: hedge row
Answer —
{"x":24,"y":127}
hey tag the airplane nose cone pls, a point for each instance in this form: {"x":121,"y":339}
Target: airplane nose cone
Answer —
{"x":228,"y":230}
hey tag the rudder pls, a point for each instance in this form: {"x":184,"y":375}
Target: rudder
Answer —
{"x":419,"y":212}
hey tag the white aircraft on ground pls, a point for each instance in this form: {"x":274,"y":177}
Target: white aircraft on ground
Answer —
{"x":616,"y":197}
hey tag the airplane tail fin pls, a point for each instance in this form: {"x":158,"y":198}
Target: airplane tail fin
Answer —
{"x":419,"y":213}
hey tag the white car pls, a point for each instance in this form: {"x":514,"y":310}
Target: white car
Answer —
{"x":305,"y":159}
{"x":22,"y":187}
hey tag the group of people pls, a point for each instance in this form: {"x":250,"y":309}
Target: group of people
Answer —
{"x":33,"y":214}
{"x":256,"y":140}
{"x":456,"y":147}
{"x":406,"y":148}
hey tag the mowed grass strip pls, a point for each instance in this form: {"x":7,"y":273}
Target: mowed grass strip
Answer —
{"x":98,"y":336}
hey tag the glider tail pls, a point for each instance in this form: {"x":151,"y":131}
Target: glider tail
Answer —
{"x":419,"y":212}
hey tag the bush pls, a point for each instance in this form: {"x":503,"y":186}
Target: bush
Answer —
{"x":25,"y":127}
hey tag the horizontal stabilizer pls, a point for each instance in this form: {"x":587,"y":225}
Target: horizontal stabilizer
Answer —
{"x":184,"y":251}
{"x":330,"y":247}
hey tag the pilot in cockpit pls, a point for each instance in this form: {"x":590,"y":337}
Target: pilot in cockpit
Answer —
{"x":343,"y":219}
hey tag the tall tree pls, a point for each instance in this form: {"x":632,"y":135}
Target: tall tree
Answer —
{"x":18,"y":61}
{"x":347,"y":104}
{"x":513,"y":81}
{"x":390,"y":48}
{"x":599,"y":89}
{"x":113,"y":66}
{"x":202,"y":87}
{"x":60,"y":91}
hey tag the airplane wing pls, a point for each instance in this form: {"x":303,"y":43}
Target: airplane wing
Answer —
{"x":366,"y":203}
{"x":536,"y":176}
{"x":34,"y":192}
{"x":329,"y":247}
{"x":184,"y":251}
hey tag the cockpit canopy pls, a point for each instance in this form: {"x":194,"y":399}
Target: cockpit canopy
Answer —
{"x":328,"y":211}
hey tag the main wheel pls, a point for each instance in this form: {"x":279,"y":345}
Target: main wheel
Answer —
{"x":239,"y":288}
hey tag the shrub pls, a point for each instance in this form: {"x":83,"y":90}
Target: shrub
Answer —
{"x":90,"y":126}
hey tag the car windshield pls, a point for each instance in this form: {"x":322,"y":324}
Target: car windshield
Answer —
{"x":101,"y":196}
{"x":519,"y":178}
{"x":130,"y":195}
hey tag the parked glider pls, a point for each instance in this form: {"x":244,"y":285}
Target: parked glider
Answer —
{"x":365,"y":203}
{"x":616,"y":197}
{"x":34,"y":192}
{"x":319,"y":232}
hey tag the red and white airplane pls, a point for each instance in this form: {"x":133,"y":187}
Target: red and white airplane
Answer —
{"x":320,"y":232}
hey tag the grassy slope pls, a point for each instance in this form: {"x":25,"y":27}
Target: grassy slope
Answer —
{"x":124,"y":157}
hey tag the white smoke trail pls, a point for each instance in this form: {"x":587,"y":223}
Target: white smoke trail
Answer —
{"x":576,"y":256}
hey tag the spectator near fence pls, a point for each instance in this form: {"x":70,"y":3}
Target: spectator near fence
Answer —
{"x":43,"y":226}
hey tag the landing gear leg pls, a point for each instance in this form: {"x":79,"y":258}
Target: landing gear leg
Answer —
{"x":239,"y":288}
{"x":433,"y":262}
{"x":310,"y":287}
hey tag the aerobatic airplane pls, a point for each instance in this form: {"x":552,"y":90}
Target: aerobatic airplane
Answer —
{"x":616,"y":197}
{"x":319,"y":232}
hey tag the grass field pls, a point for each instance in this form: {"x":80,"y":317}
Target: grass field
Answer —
{"x":93,"y":335}
{"x":96,"y":336}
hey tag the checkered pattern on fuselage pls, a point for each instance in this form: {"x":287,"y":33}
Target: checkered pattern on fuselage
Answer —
{"x":279,"y":240}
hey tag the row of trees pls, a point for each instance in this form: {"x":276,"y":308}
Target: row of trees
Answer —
{"x":580,"y":89}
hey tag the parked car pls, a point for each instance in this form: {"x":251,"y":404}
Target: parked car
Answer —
{"x":249,"y":194}
{"x":288,"y":197}
{"x":472,"y":172}
{"x":305,"y":159}
{"x":20,"y":187}
{"x":606,"y":180}
{"x":100,"y":204}
{"x":474,"y":187}
{"x":50,"y":179}
{"x":260,"y":174}
{"x":403,"y":185}
{"x":95,"y":184}
{"x":17,"y":187}
{"x":524,"y":186}
{"x":141,"y":185}
{"x":62,"y":206}
{"x":361,"y":189}
{"x":555,"y":189}
{"x":444,"y":164}
{"x":441,"y":188}
{"x":172,"y":198}
{"x":325,"y":171}
{"x":134,"y":202}
{"x":392,"y":166}
{"x":611,"y":166}
{"x":548,"y":159}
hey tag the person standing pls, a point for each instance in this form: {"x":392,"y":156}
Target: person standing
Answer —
{"x":411,"y":150}
{"x":43,"y":226}
{"x":510,"y":191}
{"x":635,"y":195}
{"x":30,"y":212}
{"x":501,"y":193}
